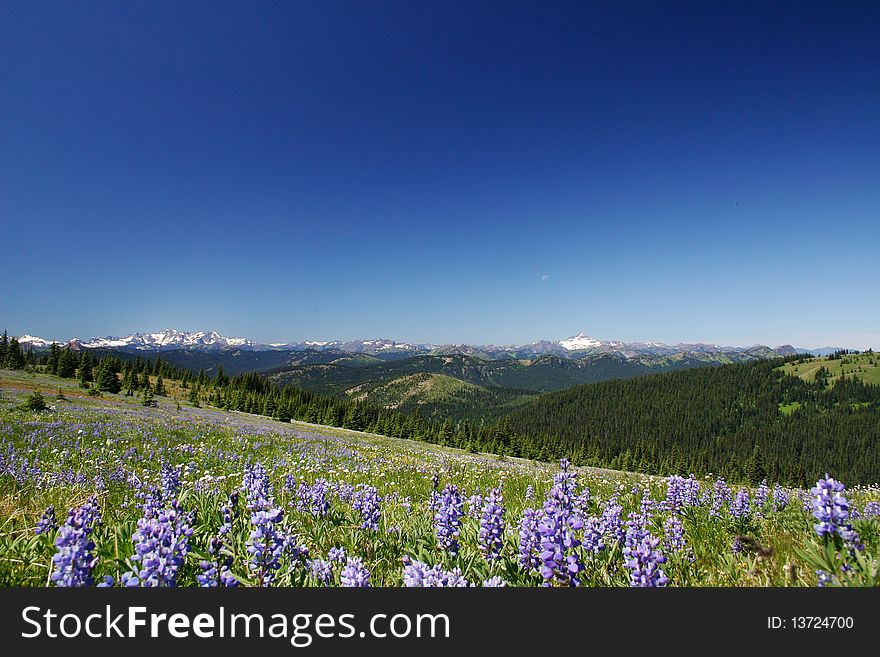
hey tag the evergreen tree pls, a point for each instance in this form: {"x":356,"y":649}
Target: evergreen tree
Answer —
{"x":105,"y":378}
{"x":147,"y":398}
{"x":66,"y":367}
{"x":85,"y":372}
{"x":35,"y":402}
{"x":52,"y":362}
{"x":14,"y":359}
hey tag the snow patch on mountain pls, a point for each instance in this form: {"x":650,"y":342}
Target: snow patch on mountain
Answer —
{"x":579,"y":341}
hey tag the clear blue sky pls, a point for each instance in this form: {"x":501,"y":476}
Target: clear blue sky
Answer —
{"x":444,"y":172}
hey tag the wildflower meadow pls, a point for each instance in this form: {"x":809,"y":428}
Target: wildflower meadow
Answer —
{"x":110,"y":494}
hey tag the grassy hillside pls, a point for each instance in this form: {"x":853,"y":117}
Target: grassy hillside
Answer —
{"x":865,"y":367}
{"x":439,"y":396}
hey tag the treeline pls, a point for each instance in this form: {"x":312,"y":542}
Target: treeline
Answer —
{"x":252,"y":393}
{"x":722,"y":420}
{"x":13,"y":356}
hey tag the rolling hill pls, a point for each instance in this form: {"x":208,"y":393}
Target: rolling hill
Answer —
{"x":537,"y":375}
{"x":439,"y":396}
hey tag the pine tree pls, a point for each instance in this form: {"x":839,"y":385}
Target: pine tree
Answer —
{"x":160,"y":387}
{"x":147,"y":398}
{"x":14,"y":356}
{"x":35,"y":401}
{"x":105,"y":378}
{"x":66,"y":367}
{"x":85,"y":372}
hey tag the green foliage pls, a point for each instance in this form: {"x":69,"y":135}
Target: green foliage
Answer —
{"x":34,"y":402}
{"x":106,"y":379}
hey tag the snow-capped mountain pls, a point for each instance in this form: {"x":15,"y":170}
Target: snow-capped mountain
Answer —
{"x":35,"y":342}
{"x":579,"y":341}
{"x":577,"y":346}
{"x":162,"y":340}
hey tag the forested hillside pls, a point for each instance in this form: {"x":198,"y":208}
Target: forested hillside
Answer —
{"x":746,"y":421}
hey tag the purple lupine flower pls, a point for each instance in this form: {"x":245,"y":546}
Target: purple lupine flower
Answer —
{"x":675,"y":493}
{"x":762,"y":494}
{"x":319,"y":504}
{"x":367,"y":500}
{"x":216,"y":573}
{"x":691,"y":493}
{"x":336,"y":554}
{"x":492,"y":525}
{"x":871,"y":510}
{"x":737,"y":545}
{"x":635,"y":526}
{"x":830,"y":507}
{"x":673,"y":530}
{"x":354,"y":574}
{"x":594,"y":530}
{"x":721,"y":497}
{"x":494,"y":582}
{"x":170,"y":482}
{"x":447,"y":520}
{"x":266,"y":544}
{"x":780,"y":498}
{"x":417,"y":574}
{"x":475,"y":503}
{"x":455,"y":579}
{"x":740,"y":506}
{"x":255,"y":484}
{"x":561,"y":565}
{"x":48,"y":523}
{"x":344,"y":492}
{"x":806,"y":501}
{"x":643,"y":559}
{"x":529,"y":540}
{"x":74,"y":559}
{"x":826,"y":579}
{"x":530,"y":493}
{"x":647,"y":506}
{"x":321,"y":570}
{"x":612,"y":520}
{"x":161,"y":545}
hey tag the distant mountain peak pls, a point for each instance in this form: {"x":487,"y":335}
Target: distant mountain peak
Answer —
{"x":575,"y":347}
{"x":579,"y":341}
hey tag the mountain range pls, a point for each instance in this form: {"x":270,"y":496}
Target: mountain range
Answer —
{"x":575,"y":346}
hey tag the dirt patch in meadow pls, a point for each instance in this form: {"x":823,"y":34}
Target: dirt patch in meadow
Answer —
{"x":24,"y":385}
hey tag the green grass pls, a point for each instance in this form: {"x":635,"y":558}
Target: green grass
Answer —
{"x":788,"y":409}
{"x":865,"y":367}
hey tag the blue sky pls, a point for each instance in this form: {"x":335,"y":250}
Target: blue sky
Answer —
{"x":443,"y":172}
